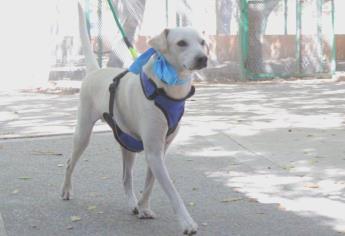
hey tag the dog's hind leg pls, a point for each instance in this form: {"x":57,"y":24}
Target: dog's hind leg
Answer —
{"x":85,"y":123}
{"x":128,"y":159}
{"x":144,"y":203}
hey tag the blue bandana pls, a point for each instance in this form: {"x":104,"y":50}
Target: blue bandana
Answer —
{"x":161,"y":68}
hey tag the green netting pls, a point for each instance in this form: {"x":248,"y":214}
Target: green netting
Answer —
{"x":288,"y":38}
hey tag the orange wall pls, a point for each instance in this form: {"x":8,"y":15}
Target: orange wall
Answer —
{"x":277,"y":46}
{"x":340,"y":46}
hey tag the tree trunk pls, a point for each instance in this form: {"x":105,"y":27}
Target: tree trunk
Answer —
{"x":258,"y":14}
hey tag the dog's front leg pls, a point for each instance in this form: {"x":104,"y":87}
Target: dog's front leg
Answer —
{"x":154,"y":153}
{"x":145,"y":211}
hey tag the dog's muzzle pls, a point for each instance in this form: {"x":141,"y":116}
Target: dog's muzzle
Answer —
{"x":200,"y":62}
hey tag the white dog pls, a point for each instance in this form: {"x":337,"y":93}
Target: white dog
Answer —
{"x":138,"y":116}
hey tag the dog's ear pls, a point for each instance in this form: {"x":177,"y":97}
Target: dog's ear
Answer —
{"x":160,"y":42}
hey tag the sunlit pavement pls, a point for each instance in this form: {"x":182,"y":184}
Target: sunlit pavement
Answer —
{"x":250,"y":159}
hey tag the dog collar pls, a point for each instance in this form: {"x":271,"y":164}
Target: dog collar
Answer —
{"x":162,"y":69}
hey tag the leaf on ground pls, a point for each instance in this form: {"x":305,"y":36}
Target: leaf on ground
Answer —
{"x":70,"y":227}
{"x":194,"y":188}
{"x":93,"y":194}
{"x":280,"y":206}
{"x":311,"y":185}
{"x":204,"y":224}
{"x":235,"y":164}
{"x":99,"y":212}
{"x":75,"y":218}
{"x":234,"y":199}
{"x":24,"y":178}
{"x":313,"y":162}
{"x":91,"y":208}
{"x":288,"y":167}
{"x":45,"y":153}
{"x":104,"y":177}
{"x":192,"y":204}
{"x":310,"y":135}
{"x":60,"y":165}
{"x":253,"y":200}
{"x":15,"y":191}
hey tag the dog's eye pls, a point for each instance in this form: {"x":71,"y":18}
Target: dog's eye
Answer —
{"x":202,"y":43}
{"x":182,"y":43}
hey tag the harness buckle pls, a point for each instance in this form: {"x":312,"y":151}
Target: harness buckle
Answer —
{"x":157,"y":92}
{"x":153,"y":95}
{"x":112,"y":87}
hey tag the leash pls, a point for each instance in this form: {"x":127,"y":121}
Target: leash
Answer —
{"x":129,"y":45}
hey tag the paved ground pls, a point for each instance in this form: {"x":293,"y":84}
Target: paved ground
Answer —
{"x":251,"y":159}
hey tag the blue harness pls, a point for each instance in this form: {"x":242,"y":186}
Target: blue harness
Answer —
{"x":172,"y":109}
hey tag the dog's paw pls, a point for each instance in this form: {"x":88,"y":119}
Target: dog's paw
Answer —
{"x":189,"y":228}
{"x":146,"y":213}
{"x":135,"y":211}
{"x":133,"y":206}
{"x":65,"y":195}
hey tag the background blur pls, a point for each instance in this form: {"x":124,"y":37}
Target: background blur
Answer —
{"x":247,"y":39}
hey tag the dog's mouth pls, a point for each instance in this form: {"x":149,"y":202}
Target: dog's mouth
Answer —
{"x":195,"y":67}
{"x":199,"y":63}
{"x":199,"y":67}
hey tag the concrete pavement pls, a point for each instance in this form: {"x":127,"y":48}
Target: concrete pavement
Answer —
{"x":251,"y":159}
{"x":2,"y":227}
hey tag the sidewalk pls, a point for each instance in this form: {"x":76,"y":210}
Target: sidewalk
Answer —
{"x":25,"y":114}
{"x":251,"y":159}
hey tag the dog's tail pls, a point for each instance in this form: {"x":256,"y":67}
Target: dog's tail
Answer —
{"x":91,"y":62}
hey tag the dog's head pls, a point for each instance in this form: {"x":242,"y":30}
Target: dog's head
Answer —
{"x":183,"y":47}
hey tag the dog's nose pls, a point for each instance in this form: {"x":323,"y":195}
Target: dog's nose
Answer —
{"x":201,"y":62}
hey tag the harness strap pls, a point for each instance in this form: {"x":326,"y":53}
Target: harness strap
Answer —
{"x":124,"y":140}
{"x":152,"y":91}
{"x":112,"y":89}
{"x":172,"y":109}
